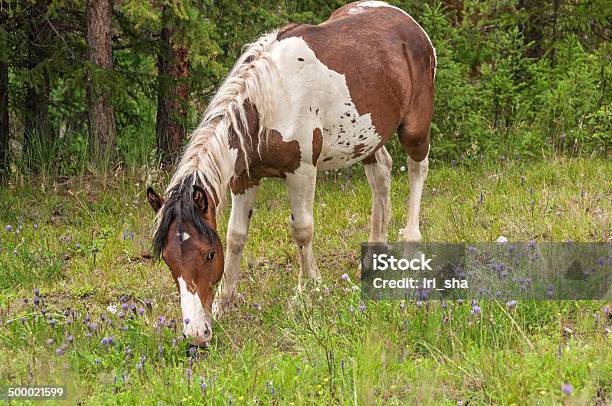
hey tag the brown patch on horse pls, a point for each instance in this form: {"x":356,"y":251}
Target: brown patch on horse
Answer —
{"x":271,"y":157}
{"x":317,"y":144}
{"x":401,"y":73}
{"x":370,"y":159}
{"x":358,"y":150}
{"x":283,"y":31}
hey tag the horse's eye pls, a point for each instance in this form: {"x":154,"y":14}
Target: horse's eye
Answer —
{"x":210,"y":255}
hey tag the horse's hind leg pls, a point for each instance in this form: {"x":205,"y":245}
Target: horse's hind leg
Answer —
{"x":414,"y":137}
{"x":378,"y":171}
{"x":237,"y":230}
{"x":301,"y":189}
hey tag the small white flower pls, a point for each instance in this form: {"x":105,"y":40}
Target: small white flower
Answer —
{"x":403,"y":168}
{"x":402,"y":231}
{"x":501,"y":239}
{"x":112,"y":309}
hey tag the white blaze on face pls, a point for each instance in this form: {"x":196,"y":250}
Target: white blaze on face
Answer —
{"x":199,"y":326}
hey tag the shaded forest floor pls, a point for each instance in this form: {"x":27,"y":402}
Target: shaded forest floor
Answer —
{"x":85,"y":244}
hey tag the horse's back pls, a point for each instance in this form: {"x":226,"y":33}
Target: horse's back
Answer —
{"x":379,"y":54}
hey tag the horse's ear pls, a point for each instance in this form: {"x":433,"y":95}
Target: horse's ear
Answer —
{"x":199,"y":198}
{"x":155,"y":200}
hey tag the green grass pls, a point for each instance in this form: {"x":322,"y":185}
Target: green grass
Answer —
{"x":320,"y":348}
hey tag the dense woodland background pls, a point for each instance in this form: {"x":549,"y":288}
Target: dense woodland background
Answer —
{"x":88,"y":85}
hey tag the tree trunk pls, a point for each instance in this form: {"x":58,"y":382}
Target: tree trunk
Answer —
{"x":101,"y":114}
{"x":532,"y":27}
{"x":553,"y":48}
{"x":36,"y":120}
{"x":173,"y":89}
{"x":4,"y":116}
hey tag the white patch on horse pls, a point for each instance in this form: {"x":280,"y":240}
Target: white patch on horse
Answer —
{"x":314,"y":96}
{"x":183,"y":236}
{"x":197,"y":323}
{"x":374,"y":3}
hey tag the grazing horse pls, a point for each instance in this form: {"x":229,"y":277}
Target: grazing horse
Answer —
{"x":299,"y":100}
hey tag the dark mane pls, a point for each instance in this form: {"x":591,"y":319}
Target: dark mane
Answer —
{"x":180,"y":205}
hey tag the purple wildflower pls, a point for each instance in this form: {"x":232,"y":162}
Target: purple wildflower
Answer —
{"x":141,"y":311}
{"x":52,"y":323}
{"x":476,"y":309}
{"x":9,"y":228}
{"x":147,"y":302}
{"x":87,"y":318}
{"x":77,"y":246}
{"x":120,"y":315}
{"x":186,"y":320}
{"x":138,"y":366}
{"x":511,"y":304}
{"x":362,"y":307}
{"x":70,"y":338}
{"x":131,"y":235}
{"x":50,"y":341}
{"x":36,"y":292}
{"x":567,"y":388}
{"x":444,"y":305}
{"x":345,"y":277}
{"x":59,"y":351}
{"x":36,"y":301}
{"x":402,"y":306}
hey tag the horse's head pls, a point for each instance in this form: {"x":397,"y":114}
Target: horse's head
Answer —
{"x":186,"y":239}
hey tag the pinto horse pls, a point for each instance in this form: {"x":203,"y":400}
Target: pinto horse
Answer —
{"x":299,"y":100}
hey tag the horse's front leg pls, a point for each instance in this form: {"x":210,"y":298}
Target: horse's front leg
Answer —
{"x":301,"y":188}
{"x":237,"y":230}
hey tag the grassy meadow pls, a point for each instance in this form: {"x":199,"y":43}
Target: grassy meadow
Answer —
{"x":82,"y":303}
